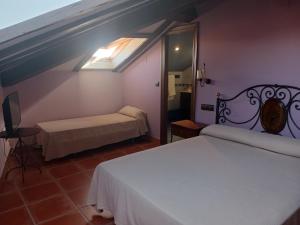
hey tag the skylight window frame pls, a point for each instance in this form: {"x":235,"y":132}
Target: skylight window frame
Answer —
{"x":153,"y":38}
{"x":131,"y":54}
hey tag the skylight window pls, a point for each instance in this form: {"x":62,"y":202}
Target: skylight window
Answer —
{"x":111,"y":56}
{"x":16,"y":11}
{"x":103,"y":53}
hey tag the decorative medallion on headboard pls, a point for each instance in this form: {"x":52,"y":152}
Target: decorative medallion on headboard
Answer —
{"x":275,"y":107}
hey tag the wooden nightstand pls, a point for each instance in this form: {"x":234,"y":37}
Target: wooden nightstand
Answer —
{"x":186,"y":128}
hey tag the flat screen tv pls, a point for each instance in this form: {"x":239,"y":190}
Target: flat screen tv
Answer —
{"x":11,"y":113}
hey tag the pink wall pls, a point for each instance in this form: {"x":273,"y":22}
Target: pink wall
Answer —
{"x":242,"y":43}
{"x":139,"y":86}
{"x":2,"y":153}
{"x":248,"y":42}
{"x":63,"y":94}
{"x":60,"y":94}
{"x":4,"y":145}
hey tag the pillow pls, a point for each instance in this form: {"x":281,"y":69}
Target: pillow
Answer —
{"x":131,"y":111}
{"x":270,"y":142}
{"x":137,"y":114}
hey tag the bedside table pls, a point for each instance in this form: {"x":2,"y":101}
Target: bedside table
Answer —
{"x":186,"y":128}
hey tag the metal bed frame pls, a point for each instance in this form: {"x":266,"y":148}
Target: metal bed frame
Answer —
{"x":288,"y":96}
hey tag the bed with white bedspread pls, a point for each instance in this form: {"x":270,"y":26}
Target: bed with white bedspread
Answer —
{"x":228,"y":176}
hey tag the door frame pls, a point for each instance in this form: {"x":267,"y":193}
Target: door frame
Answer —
{"x":164,"y":76}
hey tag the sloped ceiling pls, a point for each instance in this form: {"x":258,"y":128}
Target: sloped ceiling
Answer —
{"x":68,"y":66}
{"x":182,"y":59}
{"x":55,"y":44}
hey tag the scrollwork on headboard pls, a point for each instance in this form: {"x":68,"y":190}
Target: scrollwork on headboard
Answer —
{"x":275,"y":107}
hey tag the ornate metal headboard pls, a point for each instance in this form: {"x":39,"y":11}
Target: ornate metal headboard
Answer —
{"x":274,"y":106}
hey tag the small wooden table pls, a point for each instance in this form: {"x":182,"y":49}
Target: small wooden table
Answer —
{"x":186,"y":128}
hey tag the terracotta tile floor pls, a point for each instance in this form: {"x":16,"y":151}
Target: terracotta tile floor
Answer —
{"x":57,"y":195}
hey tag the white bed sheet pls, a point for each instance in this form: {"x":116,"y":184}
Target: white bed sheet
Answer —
{"x":198,"y":181}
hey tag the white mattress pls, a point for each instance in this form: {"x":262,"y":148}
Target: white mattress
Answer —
{"x":63,"y":137}
{"x":199,"y":181}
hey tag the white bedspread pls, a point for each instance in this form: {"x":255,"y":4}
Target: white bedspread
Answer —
{"x":199,"y":181}
{"x":63,"y":137}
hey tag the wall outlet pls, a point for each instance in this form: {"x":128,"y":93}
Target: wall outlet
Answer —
{"x":207,"y":107}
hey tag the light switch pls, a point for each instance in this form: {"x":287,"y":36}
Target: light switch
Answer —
{"x":207,"y":107}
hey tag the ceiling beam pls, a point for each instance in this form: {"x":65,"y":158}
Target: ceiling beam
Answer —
{"x":139,"y":35}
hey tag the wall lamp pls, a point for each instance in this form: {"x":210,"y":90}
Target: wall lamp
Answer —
{"x":202,"y":76}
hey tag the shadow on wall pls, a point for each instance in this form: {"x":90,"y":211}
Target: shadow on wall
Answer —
{"x":245,"y":43}
{"x":140,"y":88}
{"x":63,"y":94}
{"x":34,"y":91}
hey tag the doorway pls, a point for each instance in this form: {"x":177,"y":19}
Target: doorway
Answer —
{"x":179,"y":68}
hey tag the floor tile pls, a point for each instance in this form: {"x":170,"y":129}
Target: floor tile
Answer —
{"x":90,"y":173}
{"x":51,"y":207}
{"x":79,"y":195}
{"x":112,"y":155}
{"x":6,"y":186}
{"x":93,"y":217}
{"x":15,"y":217}
{"x":89,"y":163}
{"x":83,"y":155}
{"x":40,"y":192}
{"x":10,"y":201}
{"x":10,"y":163}
{"x":74,"y":181}
{"x":150,"y":144}
{"x":32,"y":178}
{"x":132,"y":149}
{"x":56,"y":162}
{"x":64,"y":170}
{"x":46,"y":202}
{"x":70,"y":219}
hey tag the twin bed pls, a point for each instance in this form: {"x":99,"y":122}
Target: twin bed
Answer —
{"x":64,"y":137}
{"x":227,"y":175}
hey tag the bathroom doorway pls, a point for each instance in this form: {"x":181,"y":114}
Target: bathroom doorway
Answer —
{"x":179,"y":60}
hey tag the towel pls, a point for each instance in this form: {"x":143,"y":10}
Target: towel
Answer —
{"x":171,"y":87}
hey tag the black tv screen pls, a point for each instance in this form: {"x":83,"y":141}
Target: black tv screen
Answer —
{"x":11,"y":112}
